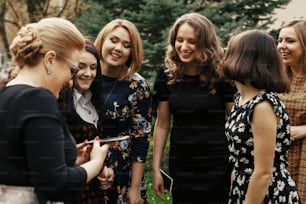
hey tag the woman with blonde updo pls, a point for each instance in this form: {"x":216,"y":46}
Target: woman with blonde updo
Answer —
{"x":39,"y":158}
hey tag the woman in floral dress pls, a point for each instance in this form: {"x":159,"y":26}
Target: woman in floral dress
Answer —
{"x":258,"y":127}
{"x":126,"y":108}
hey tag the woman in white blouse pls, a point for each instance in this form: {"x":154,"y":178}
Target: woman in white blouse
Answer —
{"x":82,"y":114}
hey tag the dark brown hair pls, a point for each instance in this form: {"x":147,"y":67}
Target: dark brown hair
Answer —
{"x":252,"y":58}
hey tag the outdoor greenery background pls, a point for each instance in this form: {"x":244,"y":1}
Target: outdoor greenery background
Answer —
{"x":153,"y":19}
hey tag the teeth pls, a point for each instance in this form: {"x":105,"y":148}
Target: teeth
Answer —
{"x":285,"y":54}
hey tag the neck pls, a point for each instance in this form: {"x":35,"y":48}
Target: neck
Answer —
{"x":247,"y":92}
{"x":191,"y":69}
{"x":298,"y":70}
{"x":112,"y":71}
{"x":30,"y":77}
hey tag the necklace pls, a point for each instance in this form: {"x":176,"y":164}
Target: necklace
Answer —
{"x":111,"y":91}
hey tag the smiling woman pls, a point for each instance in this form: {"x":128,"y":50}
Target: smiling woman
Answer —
{"x":81,"y":108}
{"x":36,"y":149}
{"x":193,"y":101}
{"x":127,"y":108}
{"x":292,"y":47}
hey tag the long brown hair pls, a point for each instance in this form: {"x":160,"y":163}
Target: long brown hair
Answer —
{"x":209,"y":48}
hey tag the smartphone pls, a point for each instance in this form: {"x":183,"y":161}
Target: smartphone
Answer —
{"x":111,"y":139}
{"x":168,"y":181}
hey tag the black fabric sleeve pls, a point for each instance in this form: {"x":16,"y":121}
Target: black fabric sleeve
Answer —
{"x":228,"y":90}
{"x":45,"y":150}
{"x":50,"y":150}
{"x":160,"y":89}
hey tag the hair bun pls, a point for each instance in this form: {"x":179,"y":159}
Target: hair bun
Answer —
{"x":26,"y":45}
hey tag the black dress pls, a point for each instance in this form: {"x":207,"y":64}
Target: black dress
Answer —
{"x":198,"y":156}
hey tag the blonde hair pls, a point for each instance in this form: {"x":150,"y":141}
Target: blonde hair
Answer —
{"x":209,"y":49}
{"x":35,"y":39}
{"x":134,"y":62}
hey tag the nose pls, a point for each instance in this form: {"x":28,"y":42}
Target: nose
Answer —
{"x":184,"y":45}
{"x":87,"y":71}
{"x":281,"y":45}
{"x":118,"y":47}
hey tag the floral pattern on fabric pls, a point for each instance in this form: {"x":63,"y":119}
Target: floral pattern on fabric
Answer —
{"x":128,"y":107}
{"x":238,"y":131}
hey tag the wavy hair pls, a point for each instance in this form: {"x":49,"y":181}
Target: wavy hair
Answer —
{"x":209,"y":49}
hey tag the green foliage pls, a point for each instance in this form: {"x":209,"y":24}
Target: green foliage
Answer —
{"x":153,"y":18}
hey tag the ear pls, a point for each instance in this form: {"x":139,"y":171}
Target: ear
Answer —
{"x":49,"y":58}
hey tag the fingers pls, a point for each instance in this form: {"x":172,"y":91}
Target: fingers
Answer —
{"x":105,"y":185}
{"x":160,"y":196}
{"x":106,"y":178}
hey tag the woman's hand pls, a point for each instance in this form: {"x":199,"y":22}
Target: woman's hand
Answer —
{"x":106,"y":178}
{"x":158,"y":185}
{"x":297,"y":132}
{"x":83,"y":153}
{"x":133,"y":196}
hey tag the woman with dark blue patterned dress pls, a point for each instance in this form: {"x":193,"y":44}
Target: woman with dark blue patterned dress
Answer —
{"x":258,"y":128}
{"x":126,"y":108}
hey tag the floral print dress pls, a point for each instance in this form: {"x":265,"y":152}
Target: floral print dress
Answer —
{"x":127,"y":111}
{"x":238,"y":131}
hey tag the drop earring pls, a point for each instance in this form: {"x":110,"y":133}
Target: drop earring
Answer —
{"x":49,"y":71}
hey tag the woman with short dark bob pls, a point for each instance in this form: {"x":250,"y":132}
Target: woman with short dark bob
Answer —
{"x":258,"y":129}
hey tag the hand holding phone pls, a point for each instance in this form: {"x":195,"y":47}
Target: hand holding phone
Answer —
{"x":168,"y":181}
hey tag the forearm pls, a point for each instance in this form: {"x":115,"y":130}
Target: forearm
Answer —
{"x":92,"y":169}
{"x":258,"y":187}
{"x":137,"y":174}
{"x":159,"y":142}
{"x":94,"y":166}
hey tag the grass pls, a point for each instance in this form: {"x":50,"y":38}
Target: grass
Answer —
{"x":148,"y":176}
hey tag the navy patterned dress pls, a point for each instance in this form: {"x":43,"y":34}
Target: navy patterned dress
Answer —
{"x":241,"y":145}
{"x":127,"y":111}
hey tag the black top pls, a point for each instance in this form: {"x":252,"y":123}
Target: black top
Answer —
{"x":35,"y":147}
{"x":198,"y":118}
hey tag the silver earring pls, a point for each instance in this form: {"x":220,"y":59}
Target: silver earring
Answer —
{"x":49,"y":71}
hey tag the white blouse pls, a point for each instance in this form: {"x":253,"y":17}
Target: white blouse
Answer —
{"x":84,"y":107}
